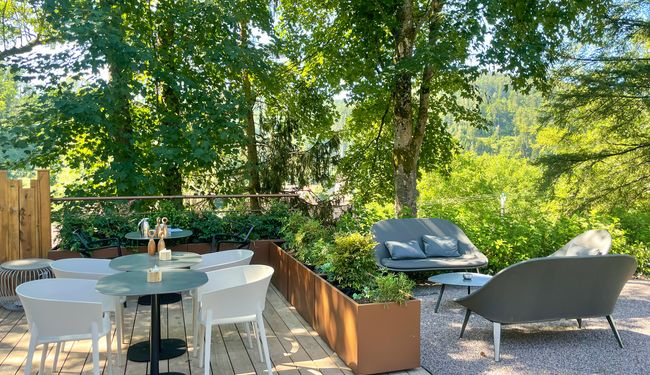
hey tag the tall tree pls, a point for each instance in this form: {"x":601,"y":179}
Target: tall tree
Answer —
{"x":597,"y":140}
{"x":414,"y":58}
{"x":137,"y":97}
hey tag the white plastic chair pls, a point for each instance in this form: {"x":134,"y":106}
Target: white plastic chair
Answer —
{"x":94,"y":269}
{"x":60,"y":310}
{"x":212,"y":262}
{"x":235,"y":295}
{"x":223,"y":259}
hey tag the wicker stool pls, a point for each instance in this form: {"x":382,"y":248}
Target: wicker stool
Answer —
{"x":16,"y":272}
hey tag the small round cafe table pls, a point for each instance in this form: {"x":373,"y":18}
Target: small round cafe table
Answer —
{"x":143,"y":262}
{"x":135,"y":284}
{"x":457,"y":279}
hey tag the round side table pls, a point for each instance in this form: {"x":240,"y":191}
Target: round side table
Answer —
{"x":16,"y":272}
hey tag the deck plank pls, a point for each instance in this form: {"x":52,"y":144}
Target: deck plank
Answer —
{"x":315,"y":353}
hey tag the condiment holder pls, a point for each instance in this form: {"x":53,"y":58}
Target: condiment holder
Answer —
{"x":154,"y":275}
{"x":151,"y":246}
{"x":165,"y":254}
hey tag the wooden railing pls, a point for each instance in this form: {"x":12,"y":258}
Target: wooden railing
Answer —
{"x":25,"y":222}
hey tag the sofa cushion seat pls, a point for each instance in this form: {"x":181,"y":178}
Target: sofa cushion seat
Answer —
{"x":464,"y":261}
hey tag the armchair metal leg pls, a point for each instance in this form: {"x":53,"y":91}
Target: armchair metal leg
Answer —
{"x":579,"y":323}
{"x":462,"y":329}
{"x":613,"y":326}
{"x":496,"y":330}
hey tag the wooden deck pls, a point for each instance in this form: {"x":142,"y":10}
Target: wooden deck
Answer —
{"x":295,"y":347}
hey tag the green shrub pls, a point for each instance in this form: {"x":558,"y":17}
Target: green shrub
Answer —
{"x":109,"y":221}
{"x":352,"y":261}
{"x":392,"y":287}
{"x":309,"y":240}
{"x":116,"y":219}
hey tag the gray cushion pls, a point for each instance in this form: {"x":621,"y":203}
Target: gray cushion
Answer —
{"x":435,"y":246}
{"x":464,"y":261}
{"x":405,"y":250}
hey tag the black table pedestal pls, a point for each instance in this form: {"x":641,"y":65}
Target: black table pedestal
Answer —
{"x":169,"y":348}
{"x":155,"y":349}
{"x":165,"y":299}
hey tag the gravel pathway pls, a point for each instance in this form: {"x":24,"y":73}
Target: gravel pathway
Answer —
{"x":544,"y":348}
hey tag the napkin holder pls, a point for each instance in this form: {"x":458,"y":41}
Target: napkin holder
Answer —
{"x":165,"y":254}
{"x":154,"y":275}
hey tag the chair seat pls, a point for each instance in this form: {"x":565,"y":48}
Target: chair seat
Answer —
{"x":106,"y":328}
{"x":465,"y":261}
{"x":236,"y":319}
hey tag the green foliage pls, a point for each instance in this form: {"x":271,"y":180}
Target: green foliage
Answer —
{"x":309,"y":240}
{"x":363,"y":216}
{"x":392,"y":287}
{"x":352,"y":261}
{"x":595,"y":149}
{"x":405,"y":64}
{"x":115,"y":220}
{"x":533,"y":224}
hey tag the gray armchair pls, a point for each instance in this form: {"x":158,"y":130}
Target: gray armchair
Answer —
{"x":552,"y":288}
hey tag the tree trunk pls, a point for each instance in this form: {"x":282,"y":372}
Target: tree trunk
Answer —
{"x":404,"y":159}
{"x":251,"y":144}
{"x":409,"y":135}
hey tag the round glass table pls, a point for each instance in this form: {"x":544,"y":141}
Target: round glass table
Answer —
{"x":135,"y":284}
{"x":456,"y":278}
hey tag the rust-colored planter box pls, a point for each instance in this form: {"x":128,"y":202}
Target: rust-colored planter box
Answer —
{"x":370,"y":338}
{"x":63,"y":254}
{"x":260,"y":252}
{"x":301,"y":284}
{"x":278,"y":260}
{"x":198,"y":247}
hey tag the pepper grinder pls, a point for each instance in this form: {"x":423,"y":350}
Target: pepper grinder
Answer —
{"x":164,"y":229}
{"x":161,"y":241}
{"x":158,"y":227}
{"x":151,"y":246}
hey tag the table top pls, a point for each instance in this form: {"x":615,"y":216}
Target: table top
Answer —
{"x":143,"y":261}
{"x":456,"y":278}
{"x":137,"y":236}
{"x":26,"y":264}
{"x":135,"y":283}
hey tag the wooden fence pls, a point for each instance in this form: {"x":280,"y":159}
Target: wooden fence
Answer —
{"x":25,"y":229}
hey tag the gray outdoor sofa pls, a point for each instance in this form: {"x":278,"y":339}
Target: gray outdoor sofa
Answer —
{"x":405,"y":230}
{"x":551,"y":288}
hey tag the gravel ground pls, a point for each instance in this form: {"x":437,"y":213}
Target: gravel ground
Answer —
{"x":544,"y":348}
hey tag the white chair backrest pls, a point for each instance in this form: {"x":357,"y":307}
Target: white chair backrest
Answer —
{"x":61,"y":307}
{"x":223,"y":259}
{"x":82,"y":268}
{"x":236,"y":291}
